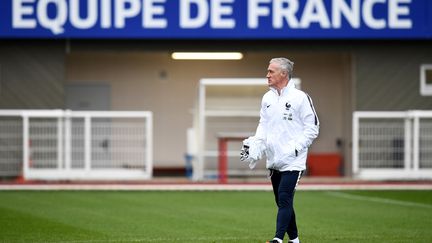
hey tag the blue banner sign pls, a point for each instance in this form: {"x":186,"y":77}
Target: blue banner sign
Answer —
{"x":217,"y":19}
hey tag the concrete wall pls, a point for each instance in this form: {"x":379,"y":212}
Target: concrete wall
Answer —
{"x":32,"y":74}
{"x":151,"y":80}
{"x":388,"y":76}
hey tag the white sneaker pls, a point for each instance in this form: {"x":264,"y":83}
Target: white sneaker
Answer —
{"x":296,"y":240}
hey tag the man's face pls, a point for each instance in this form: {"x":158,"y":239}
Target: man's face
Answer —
{"x":275,"y":76}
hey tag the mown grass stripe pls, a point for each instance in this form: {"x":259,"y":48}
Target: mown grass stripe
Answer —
{"x":378,"y":200}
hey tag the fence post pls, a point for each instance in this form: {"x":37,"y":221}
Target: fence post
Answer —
{"x":355,"y":148}
{"x":87,"y":143}
{"x":68,"y":139}
{"x":416,"y":141}
{"x":408,"y":142}
{"x":149,"y":143}
{"x":60,"y":143}
{"x":26,"y":152}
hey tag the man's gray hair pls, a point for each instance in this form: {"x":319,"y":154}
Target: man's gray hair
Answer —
{"x":285,"y":64}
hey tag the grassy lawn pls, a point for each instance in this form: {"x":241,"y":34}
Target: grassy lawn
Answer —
{"x":131,"y":216}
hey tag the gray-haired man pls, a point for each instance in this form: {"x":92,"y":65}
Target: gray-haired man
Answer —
{"x":287,"y":127}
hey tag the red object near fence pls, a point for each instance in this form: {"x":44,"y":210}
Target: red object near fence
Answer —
{"x":324,"y":164}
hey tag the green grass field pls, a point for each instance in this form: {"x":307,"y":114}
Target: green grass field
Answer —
{"x":132,"y":216}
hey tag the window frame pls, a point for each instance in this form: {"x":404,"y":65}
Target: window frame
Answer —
{"x":425,"y":88}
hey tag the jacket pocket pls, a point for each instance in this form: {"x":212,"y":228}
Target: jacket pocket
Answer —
{"x":286,"y":147}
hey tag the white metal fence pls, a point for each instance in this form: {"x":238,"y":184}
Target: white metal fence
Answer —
{"x":392,"y":145}
{"x":11,"y":146}
{"x":76,"y":145}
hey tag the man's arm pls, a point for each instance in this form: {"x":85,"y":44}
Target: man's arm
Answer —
{"x":310,"y":125}
{"x":261,"y":129}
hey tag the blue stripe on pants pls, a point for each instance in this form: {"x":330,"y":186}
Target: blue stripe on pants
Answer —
{"x":284,"y":184}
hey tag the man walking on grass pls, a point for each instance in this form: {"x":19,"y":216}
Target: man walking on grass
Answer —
{"x":287,"y":127}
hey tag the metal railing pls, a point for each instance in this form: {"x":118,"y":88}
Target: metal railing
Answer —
{"x":76,"y":145}
{"x":392,"y":145}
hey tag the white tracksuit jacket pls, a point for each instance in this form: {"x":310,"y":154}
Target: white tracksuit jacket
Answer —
{"x":288,"y":123}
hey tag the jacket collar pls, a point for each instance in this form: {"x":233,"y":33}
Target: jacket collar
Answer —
{"x":285,"y":89}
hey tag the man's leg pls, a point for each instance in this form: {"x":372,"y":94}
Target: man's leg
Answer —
{"x":288,"y":182}
{"x":275,"y":179}
{"x":292,"y":227}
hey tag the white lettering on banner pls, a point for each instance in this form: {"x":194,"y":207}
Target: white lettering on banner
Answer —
{"x":396,"y":11}
{"x":54,"y":24}
{"x":368,"y":15}
{"x":352,"y":15}
{"x":150,"y":11}
{"x":106,"y":14}
{"x":19,"y":10}
{"x":280,"y":13}
{"x":92,"y":14}
{"x":217,"y":11}
{"x":314,"y":11}
{"x":217,"y":14}
{"x":122,"y":12}
{"x":255,"y":11}
{"x":186,"y":20}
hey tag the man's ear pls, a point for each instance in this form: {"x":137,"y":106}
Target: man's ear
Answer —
{"x":287,"y":74}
